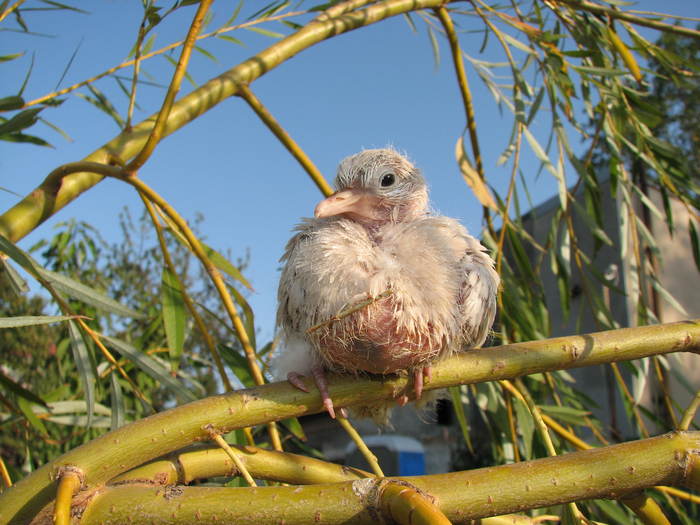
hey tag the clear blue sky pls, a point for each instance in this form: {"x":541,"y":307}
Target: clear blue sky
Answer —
{"x":370,"y":88}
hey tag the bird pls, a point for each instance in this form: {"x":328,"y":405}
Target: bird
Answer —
{"x":377,"y":283}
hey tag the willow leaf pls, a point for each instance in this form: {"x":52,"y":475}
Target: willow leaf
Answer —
{"x":84,"y":364}
{"x":26,"y":408}
{"x":472,"y":177}
{"x":151,"y":367}
{"x":32,"y":320}
{"x":86,"y":294}
{"x":174,"y":318}
{"x":17,"y":389}
{"x":116,"y":402}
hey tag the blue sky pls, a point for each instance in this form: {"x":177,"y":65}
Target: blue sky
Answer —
{"x":373,"y":87}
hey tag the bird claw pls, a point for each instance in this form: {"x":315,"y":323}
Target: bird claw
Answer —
{"x":296,"y":380}
{"x":420,"y":377}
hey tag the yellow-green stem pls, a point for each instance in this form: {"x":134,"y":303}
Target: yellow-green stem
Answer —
{"x":287,"y":141}
{"x":361,"y":445}
{"x":68,"y":484}
{"x":242,"y":470}
{"x":158,"y":129}
{"x":124,"y":448}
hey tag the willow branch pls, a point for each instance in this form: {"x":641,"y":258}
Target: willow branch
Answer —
{"x":240,"y":467}
{"x":10,"y":9}
{"x":4,"y":474}
{"x":174,"y":45}
{"x":122,"y":449}
{"x":48,"y":198}
{"x":689,"y":413}
{"x":287,"y":141}
{"x":462,"y":496}
{"x":646,"y":509}
{"x":406,"y":505}
{"x":208,"y":340}
{"x":360,"y":444}
{"x":69,"y":483}
{"x":202,"y":462}
{"x":637,"y":20}
{"x":456,"y":51}
{"x":156,"y":133}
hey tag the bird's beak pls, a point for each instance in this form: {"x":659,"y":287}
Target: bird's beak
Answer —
{"x":352,"y":202}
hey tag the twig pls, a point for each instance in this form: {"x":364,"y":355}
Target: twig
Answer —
{"x":157,"y":52}
{"x":10,"y":9}
{"x":361,"y":445}
{"x":208,"y":340}
{"x":622,"y":15}
{"x":287,"y":141}
{"x":70,"y":481}
{"x":4,"y":474}
{"x":162,"y":119}
{"x":689,"y":413}
{"x":242,"y":470}
{"x":349,"y":311}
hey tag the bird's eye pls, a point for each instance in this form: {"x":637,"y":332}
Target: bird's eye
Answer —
{"x":387,"y":180}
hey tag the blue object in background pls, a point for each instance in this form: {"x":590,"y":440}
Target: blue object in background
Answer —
{"x":397,"y":455}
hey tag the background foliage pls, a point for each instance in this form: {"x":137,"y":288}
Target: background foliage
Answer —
{"x":148,"y":323}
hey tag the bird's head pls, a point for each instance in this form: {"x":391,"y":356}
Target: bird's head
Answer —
{"x":374,"y":187}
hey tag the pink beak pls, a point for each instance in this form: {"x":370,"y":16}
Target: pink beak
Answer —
{"x":353,"y":202}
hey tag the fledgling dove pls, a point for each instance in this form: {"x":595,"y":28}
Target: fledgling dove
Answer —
{"x":376,"y":236}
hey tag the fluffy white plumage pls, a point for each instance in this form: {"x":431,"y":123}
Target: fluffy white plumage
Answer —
{"x":376,"y":234}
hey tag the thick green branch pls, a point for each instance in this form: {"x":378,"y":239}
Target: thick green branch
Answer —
{"x":609,"y":472}
{"x":132,"y":445}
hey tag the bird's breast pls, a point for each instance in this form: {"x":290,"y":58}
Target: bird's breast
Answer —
{"x":378,"y":340}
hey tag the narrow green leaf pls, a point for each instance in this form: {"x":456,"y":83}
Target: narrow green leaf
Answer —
{"x":60,"y":5}
{"x":86,"y":294}
{"x":694,"y":243}
{"x":23,"y":138}
{"x":84,"y":364}
{"x":7,"y":58}
{"x":238,"y":365}
{"x":435,"y":47}
{"x":266,"y":32}
{"x":174,"y":317}
{"x":19,"y":390}
{"x":233,"y":17}
{"x":32,"y":320}
{"x":10,"y":103}
{"x":116,"y":402}
{"x":101,"y":102}
{"x":295,"y":428}
{"x":151,"y":367}
{"x":206,"y":54}
{"x":249,"y":317}
{"x":17,"y":282}
{"x":666,"y":295}
{"x":22,"y":120}
{"x":26,"y":408}
{"x":230,"y":38}
{"x":458,"y":406}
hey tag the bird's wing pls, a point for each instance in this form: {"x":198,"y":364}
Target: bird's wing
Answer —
{"x":326,"y":267}
{"x":448,"y":276}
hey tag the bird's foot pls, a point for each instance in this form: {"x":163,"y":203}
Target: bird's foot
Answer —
{"x":296,"y":380}
{"x":421,"y":376}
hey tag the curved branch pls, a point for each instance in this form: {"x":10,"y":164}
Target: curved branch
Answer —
{"x":611,"y":471}
{"x":131,"y":445}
